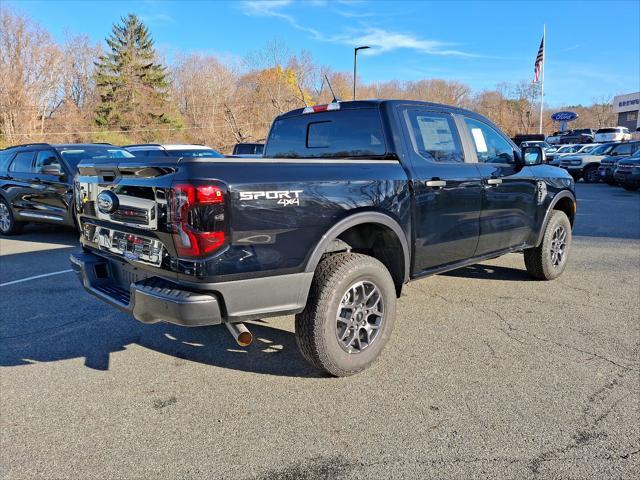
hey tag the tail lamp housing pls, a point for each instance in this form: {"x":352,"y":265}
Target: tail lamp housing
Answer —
{"x":198,"y":219}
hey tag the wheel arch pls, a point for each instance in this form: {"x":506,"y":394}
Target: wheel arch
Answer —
{"x":374,"y":233}
{"x":564,"y":201}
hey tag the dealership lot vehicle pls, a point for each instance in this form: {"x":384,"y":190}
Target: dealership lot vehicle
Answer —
{"x":36,"y":182}
{"x":553,"y":158}
{"x":627,"y":173}
{"x":327,"y":226}
{"x":585,"y":166}
{"x":615,"y":134}
{"x":248,"y":149}
{"x":579,"y":136}
{"x":174,"y":150}
{"x":487,"y":373}
{"x":609,"y":164}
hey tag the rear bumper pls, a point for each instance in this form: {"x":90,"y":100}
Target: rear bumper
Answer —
{"x":149,"y":301}
{"x":154,"y":299}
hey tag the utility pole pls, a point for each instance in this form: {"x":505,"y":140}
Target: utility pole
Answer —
{"x":355,"y":63}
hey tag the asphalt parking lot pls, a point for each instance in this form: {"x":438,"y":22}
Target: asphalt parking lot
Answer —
{"x":488,"y":374}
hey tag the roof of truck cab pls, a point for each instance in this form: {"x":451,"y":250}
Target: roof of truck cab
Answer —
{"x":373,"y":103}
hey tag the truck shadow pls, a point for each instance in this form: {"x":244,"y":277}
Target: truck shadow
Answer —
{"x":83,"y":327}
{"x":273,"y":351}
{"x":490,"y":272}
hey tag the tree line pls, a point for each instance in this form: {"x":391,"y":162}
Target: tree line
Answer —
{"x":123,"y":92}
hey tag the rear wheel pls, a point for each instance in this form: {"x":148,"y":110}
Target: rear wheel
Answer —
{"x":548,"y":260}
{"x":349,"y":314}
{"x":8,"y":224}
{"x":590,"y":174}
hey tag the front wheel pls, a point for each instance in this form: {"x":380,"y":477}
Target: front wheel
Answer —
{"x":349,"y":314}
{"x":548,"y":260}
{"x":8,"y":224}
{"x":590,"y":175}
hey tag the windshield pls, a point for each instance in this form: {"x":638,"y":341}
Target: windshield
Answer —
{"x":567,"y":149}
{"x":587,"y":148}
{"x":194,"y":153}
{"x":75,"y":154}
{"x":603,"y":149}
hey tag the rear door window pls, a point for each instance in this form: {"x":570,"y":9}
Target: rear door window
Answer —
{"x":335,"y":134}
{"x":434,"y":136}
{"x":22,"y":163}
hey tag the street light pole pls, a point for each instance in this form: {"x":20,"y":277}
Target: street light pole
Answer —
{"x":355,"y":63}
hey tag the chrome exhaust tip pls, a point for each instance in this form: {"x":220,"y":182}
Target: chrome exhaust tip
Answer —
{"x":240,"y":333}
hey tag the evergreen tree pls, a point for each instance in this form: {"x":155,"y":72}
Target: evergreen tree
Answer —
{"x":133,"y":88}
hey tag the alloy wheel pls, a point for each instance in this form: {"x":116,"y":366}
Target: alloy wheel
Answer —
{"x":360,"y":317}
{"x":5,"y":218}
{"x":558,"y":246}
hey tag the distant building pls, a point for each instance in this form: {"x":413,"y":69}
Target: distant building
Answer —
{"x":628,"y":109}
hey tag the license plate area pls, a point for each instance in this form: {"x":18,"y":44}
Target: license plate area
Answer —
{"x":130,"y":246}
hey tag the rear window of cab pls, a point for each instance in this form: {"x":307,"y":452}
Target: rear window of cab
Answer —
{"x":335,"y":134}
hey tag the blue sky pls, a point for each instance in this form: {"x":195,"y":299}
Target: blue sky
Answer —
{"x":593,"y":48}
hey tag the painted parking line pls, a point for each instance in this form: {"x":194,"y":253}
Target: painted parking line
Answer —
{"x":35,"y":277}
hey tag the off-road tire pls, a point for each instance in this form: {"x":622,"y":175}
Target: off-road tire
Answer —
{"x":538,"y":260}
{"x":316,"y":327}
{"x":590,"y":174}
{"x":14,"y":227}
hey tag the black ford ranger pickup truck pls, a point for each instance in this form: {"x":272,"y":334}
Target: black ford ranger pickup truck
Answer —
{"x":350,"y":201}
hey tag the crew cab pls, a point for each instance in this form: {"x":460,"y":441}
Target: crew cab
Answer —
{"x":36,"y":182}
{"x":351,"y":201}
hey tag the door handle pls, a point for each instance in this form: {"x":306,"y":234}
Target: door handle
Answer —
{"x":435,"y":183}
{"x":494,"y":181}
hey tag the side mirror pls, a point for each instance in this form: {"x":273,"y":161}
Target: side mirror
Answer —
{"x":533,"y":156}
{"x":53,"y":169}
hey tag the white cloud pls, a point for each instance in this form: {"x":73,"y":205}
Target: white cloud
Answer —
{"x":380,"y":41}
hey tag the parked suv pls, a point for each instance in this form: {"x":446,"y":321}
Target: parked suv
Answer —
{"x":585,"y":166}
{"x":175,"y":150}
{"x":608,"y":165}
{"x":36,"y":181}
{"x":615,"y":134}
{"x":350,"y":201}
{"x":627,"y":173}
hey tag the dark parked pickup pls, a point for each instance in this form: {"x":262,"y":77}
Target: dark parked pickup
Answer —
{"x":36,"y":182}
{"x":350,"y":201}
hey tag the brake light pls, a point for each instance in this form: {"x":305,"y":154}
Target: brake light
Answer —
{"x":198,"y":219}
{"x":322,"y":108}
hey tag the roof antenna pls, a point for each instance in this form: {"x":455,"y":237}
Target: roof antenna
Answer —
{"x":335,"y":99}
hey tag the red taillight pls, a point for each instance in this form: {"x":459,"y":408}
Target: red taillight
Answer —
{"x":198,"y":219}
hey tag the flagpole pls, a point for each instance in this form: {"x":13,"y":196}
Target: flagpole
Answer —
{"x":544,"y":48}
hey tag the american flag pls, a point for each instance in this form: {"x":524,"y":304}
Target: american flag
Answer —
{"x":538,"y":65}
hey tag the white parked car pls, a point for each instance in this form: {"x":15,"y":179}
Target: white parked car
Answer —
{"x":614,"y":134}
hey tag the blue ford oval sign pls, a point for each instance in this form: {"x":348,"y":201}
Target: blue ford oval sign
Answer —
{"x":564,"y":116}
{"x":107,"y":202}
